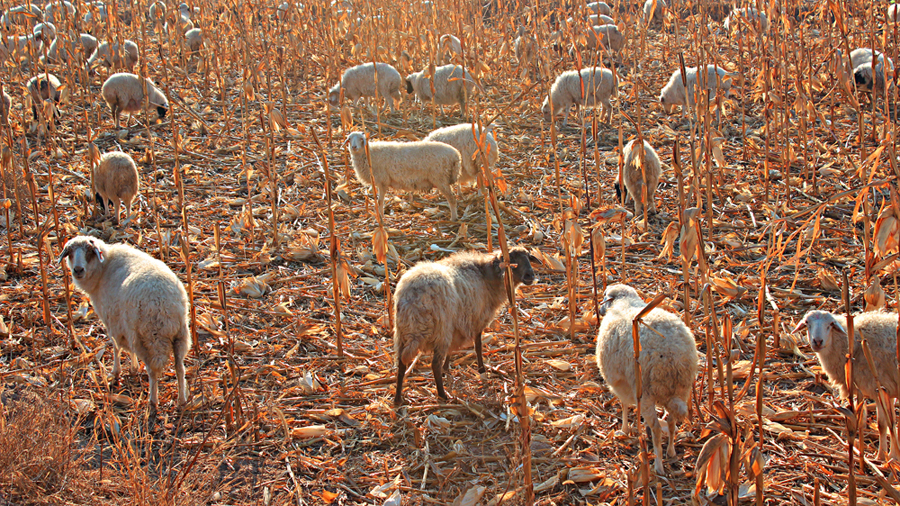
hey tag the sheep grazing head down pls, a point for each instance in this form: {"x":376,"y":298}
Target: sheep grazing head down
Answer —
{"x":161,"y":111}
{"x":669,"y":108}
{"x":334,"y":95}
{"x":81,"y":252}
{"x":820,"y":326}
{"x":617,"y":293}
{"x":409,"y":84}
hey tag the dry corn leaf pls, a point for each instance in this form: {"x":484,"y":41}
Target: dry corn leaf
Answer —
{"x":310,"y":431}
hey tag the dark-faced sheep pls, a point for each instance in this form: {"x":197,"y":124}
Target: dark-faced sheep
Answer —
{"x":446,"y":305}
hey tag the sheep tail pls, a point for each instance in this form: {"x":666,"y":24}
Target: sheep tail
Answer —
{"x":408,"y":352}
{"x":677,"y":408}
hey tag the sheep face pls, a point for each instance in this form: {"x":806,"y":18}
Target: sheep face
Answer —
{"x":820,"y":325}
{"x":161,"y":111}
{"x":667,"y":106}
{"x":616,"y":293}
{"x":82,"y":253}
{"x":356,"y":142}
{"x":545,"y":110}
{"x":523,"y":273}
{"x":334,"y":95}
{"x":410,"y":87}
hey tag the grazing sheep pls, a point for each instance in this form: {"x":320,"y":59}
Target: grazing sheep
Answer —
{"x":870,"y":80}
{"x":21,"y":15}
{"x":44,"y":86}
{"x":44,"y":32}
{"x":748,"y":15}
{"x":637,"y":175}
{"x":140,"y":301}
{"x":359,"y":81}
{"x":600,"y":8}
{"x":828,"y":338}
{"x":463,"y":139}
{"x":674,"y":93}
{"x":525,"y":47}
{"x":194,"y":40}
{"x":443,"y":306}
{"x":19,"y":48}
{"x":56,"y":53}
{"x":411,"y":166}
{"x":124,"y":92}
{"x":451,"y":86}
{"x":600,"y":20}
{"x":607,"y":36}
{"x":450,"y":44}
{"x":59,"y":12}
{"x":599,"y":86}
{"x":5,"y":104}
{"x":115,"y":180}
{"x":659,"y":14}
{"x":668,"y":361}
{"x":112,"y":56}
{"x":96,"y":13}
{"x":157,"y":12}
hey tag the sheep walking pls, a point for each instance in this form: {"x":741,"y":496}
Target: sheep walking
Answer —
{"x":828,"y":338}
{"x":450,"y":46}
{"x":124,"y":92}
{"x":674,"y":92}
{"x":194,"y":40}
{"x":115,"y":180}
{"x":668,"y":360}
{"x":412,"y":166}
{"x":446,"y":305}
{"x":452,"y":85}
{"x":140,"y":301}
{"x":359,"y":81}
{"x":605,"y":36}
{"x":464,"y":140}
{"x":599,"y":85}
{"x":640,"y":170}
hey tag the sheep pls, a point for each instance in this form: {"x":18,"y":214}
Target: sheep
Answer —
{"x":112,"y":56}
{"x":450,"y":44}
{"x":44,"y":86}
{"x":19,"y":48}
{"x":452,"y":85}
{"x":124,"y":92}
{"x":869,"y":79}
{"x":411,"y":166}
{"x":44,"y":32}
{"x":668,"y":361}
{"x":59,"y":12}
{"x":674,"y":92}
{"x":157,"y":13}
{"x":446,"y":305}
{"x":461,"y":137}
{"x":600,"y":20}
{"x":600,"y":8}
{"x":607,"y":36}
{"x":636,"y":175}
{"x":5,"y":105}
{"x":115,"y":180}
{"x":55,"y":54}
{"x":525,"y":47}
{"x":194,"y":40}
{"x":359,"y":81}
{"x":827,"y":334}
{"x":658,"y":14}
{"x":599,"y":85}
{"x":748,"y":15}
{"x":102,"y":14}
{"x":140,"y":301}
{"x":21,"y":15}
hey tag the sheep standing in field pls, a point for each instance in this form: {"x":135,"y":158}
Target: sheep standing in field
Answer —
{"x":114,"y":57}
{"x":359,"y":81}
{"x":19,"y":48}
{"x":451,"y":86}
{"x":59,"y":12}
{"x":411,"y":166}
{"x":463,"y":139}
{"x":115,"y":180}
{"x":600,"y":20}
{"x":668,"y":360}
{"x":124,"y":92}
{"x":658,"y":14}
{"x":97,"y":16}
{"x":194,"y":40}
{"x":450,"y":45}
{"x":21,"y":15}
{"x":443,"y":306}
{"x":5,"y":105}
{"x":605,"y":36}
{"x":45,"y":33}
{"x":61,"y":48}
{"x":828,"y":338}
{"x":599,"y":86}
{"x":157,"y":14}
{"x":674,"y":92}
{"x":640,"y":170}
{"x":140,"y":301}
{"x":600,"y":8}
{"x":43,"y":87}
{"x":748,"y":15}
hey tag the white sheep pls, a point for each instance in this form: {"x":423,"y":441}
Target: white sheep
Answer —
{"x":194,"y":40}
{"x":451,"y":86}
{"x":19,"y":48}
{"x":140,"y":301}
{"x":111,"y":56}
{"x":658,"y":14}
{"x":599,"y":85}
{"x":638,"y":171}
{"x":600,"y":8}
{"x":25,"y":14}
{"x":463,"y":139}
{"x":44,"y":86}
{"x":411,"y":166}
{"x":668,"y":360}
{"x":674,"y":93}
{"x":525,"y":47}
{"x":828,"y":338}
{"x":124,"y":92}
{"x":59,"y":12}
{"x":748,"y":15}
{"x":450,"y":45}
{"x":115,"y":180}
{"x":55,"y":53}
{"x":157,"y":12}
{"x":600,"y":20}
{"x":97,"y":14}
{"x":359,"y":81}
{"x":605,"y":36}
{"x":44,"y":32}
{"x":446,"y":305}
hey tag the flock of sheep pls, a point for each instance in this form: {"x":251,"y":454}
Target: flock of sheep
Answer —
{"x":445,"y":305}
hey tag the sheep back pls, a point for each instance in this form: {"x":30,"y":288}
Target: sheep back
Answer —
{"x":116,"y":179}
{"x":359,"y":81}
{"x":411,"y":166}
{"x":607,"y":36}
{"x":42,"y":87}
{"x":674,"y":92}
{"x":463,"y":139}
{"x":451,"y":85}
{"x":599,"y":86}
{"x":124,"y":92}
{"x":635,"y":178}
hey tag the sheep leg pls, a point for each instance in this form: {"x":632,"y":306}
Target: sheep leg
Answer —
{"x":117,"y":366}
{"x":398,"y":394}
{"x":115,"y":209}
{"x":154,"y":387}
{"x":881,"y":416}
{"x":436,"y":368}
{"x":447,"y":364}
{"x":181,"y":351}
{"x":127,"y":203}
{"x":447,"y":192}
{"x":670,"y":420}
{"x":648,"y":412}
{"x":626,"y":424}
{"x":479,"y":353}
{"x":381,"y":192}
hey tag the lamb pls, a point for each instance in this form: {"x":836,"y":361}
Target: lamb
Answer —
{"x":194,"y":40}
{"x":452,"y":85}
{"x":59,"y":12}
{"x":359,"y":81}
{"x":112,"y":56}
{"x":636,"y":176}
{"x":124,"y":92}
{"x":411,"y":166}
{"x":61,"y":54}
{"x":140,"y":301}
{"x":658,"y":14}
{"x":749,"y":15}
{"x":600,"y":20}
{"x":674,"y":92}
{"x":607,"y":36}
{"x":600,"y":8}
{"x":462,"y":138}
{"x":115,"y":179}
{"x":668,"y":361}
{"x":599,"y":86}
{"x":446,"y":305}
{"x":828,"y":338}
{"x":44,"y":86}
{"x":5,"y":105}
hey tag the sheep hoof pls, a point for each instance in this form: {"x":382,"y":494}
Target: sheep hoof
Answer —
{"x":658,"y":467}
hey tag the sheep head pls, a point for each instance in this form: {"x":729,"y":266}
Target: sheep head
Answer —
{"x":819,"y":326}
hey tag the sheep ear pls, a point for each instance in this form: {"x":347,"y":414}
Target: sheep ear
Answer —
{"x":65,"y":253}
{"x":836,"y":325}
{"x":800,"y":326}
{"x":495,"y":264}
{"x":99,"y":252}
{"x":534,"y":260}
